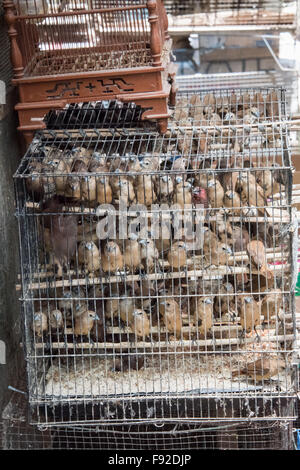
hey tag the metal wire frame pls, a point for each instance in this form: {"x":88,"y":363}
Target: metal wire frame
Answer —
{"x":197,"y":82}
{"x":57,"y":37}
{"x":182,"y":7}
{"x":187,"y":378}
{"x":230,"y":12}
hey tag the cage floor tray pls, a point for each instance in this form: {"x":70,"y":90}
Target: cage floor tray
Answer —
{"x":90,"y":377}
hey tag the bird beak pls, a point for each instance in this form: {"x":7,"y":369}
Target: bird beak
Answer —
{"x":96,"y":317}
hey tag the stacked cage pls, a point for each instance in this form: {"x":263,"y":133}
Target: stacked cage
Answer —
{"x":157,"y":271}
{"x":262,"y":79}
{"x":266,"y":13}
{"x":71,"y":51}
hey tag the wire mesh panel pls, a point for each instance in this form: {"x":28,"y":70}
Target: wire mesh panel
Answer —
{"x":157,"y":271}
{"x":230,"y":12}
{"x":287,"y":80}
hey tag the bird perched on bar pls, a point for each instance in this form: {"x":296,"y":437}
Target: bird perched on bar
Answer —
{"x":203,"y":314}
{"x":215,"y":194}
{"x":114,"y":181}
{"x":145,"y":190}
{"x":251,"y":191}
{"x":98,"y":163}
{"x":133,"y":164}
{"x":263,"y":369}
{"x":164,"y":188}
{"x":73,"y":183}
{"x":209,"y":103}
{"x":177,"y":256}
{"x":40,"y":324}
{"x":239,"y":238}
{"x":149,"y":254}
{"x":132,"y":253}
{"x":140,"y":324}
{"x":34,"y":182}
{"x":170,"y":311}
{"x":127,"y":305}
{"x":224,"y":301}
{"x":88,"y":188}
{"x":271,"y":305}
{"x":125,"y":192}
{"x":182,"y":193}
{"x":215,"y":252}
{"x":56,"y":321}
{"x":150,"y":163}
{"x":112,"y":306}
{"x":266,"y":180}
{"x":70,"y":304}
{"x":257,"y":257}
{"x":103,"y":191}
{"x":64,"y":240}
{"x":249,"y":313}
{"x":112,"y":258}
{"x":84,"y":323}
{"x":89,"y":256}
{"x":232,"y":202}
{"x":222,"y":227}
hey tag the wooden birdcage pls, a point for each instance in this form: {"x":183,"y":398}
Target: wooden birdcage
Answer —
{"x":71,"y":51}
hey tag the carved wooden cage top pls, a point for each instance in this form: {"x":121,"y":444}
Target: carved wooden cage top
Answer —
{"x":56,"y":37}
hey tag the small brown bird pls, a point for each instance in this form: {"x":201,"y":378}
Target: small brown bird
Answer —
{"x":271,"y":305}
{"x":170,"y":311}
{"x":88,"y":188}
{"x":127,"y":305}
{"x":140,"y":324}
{"x":84,"y":323}
{"x":215,"y":194}
{"x":112,"y":307}
{"x":251,"y":191}
{"x":103,"y":191}
{"x":263,"y":369}
{"x":268,"y":183}
{"x":98,"y":163}
{"x":40,"y":323}
{"x":125,"y":193}
{"x":177,"y":256}
{"x":218,"y":254}
{"x":249,"y":313}
{"x":164,"y":188}
{"x":145,"y":190}
{"x":112,"y":258}
{"x":132,"y":253}
{"x":149,"y":254}
{"x":34,"y":182}
{"x":232,"y":202}
{"x":70,"y":303}
{"x":203,"y":314}
{"x":56,"y":320}
{"x":239,"y":238}
{"x":89,"y":256}
{"x":209,"y":103}
{"x":257,"y":256}
{"x":182,"y":193}
{"x":224,"y":301}
{"x":64,"y":239}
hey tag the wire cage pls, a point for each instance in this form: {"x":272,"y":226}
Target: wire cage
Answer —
{"x":73,"y":51}
{"x":229,"y":12}
{"x":243,"y":80}
{"x":184,"y":7}
{"x":158,"y":271}
{"x":17,"y":434}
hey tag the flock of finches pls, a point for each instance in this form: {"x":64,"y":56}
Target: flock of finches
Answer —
{"x":60,"y":179}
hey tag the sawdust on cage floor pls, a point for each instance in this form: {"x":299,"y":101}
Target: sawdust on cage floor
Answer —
{"x":173,"y":374}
